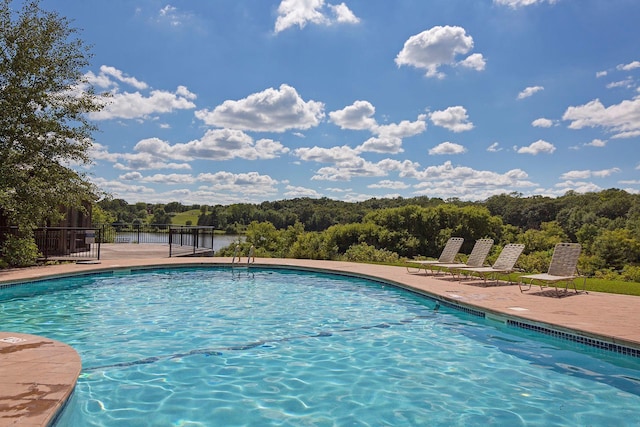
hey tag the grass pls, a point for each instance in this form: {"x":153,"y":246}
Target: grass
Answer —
{"x":181,"y":218}
{"x":592,"y":284}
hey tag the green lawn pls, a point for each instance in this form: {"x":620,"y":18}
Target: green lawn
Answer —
{"x":182,"y":217}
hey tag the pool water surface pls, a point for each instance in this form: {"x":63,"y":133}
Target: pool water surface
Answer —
{"x":259,"y":347}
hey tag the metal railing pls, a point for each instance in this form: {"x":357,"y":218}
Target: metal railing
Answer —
{"x":182,"y":240}
{"x":190,"y":240}
{"x":64,"y":243}
{"x":68,"y":242}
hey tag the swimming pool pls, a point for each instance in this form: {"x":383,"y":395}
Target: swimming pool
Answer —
{"x":216,"y":346}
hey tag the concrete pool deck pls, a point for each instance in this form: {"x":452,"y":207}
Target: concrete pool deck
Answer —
{"x":37,"y":375}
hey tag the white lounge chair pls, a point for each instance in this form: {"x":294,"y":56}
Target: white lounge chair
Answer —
{"x":447,"y":256}
{"x":562,"y":268}
{"x":505,"y":263}
{"x":477,"y":258}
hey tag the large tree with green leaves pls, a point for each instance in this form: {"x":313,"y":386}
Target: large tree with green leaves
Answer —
{"x":44,"y":104}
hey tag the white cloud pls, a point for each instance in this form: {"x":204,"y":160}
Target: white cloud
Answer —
{"x":474,"y":61}
{"x":296,"y":191}
{"x":338,"y":155}
{"x":623,"y":119}
{"x":382,"y":144}
{"x":243,"y":183}
{"x":514,"y":4}
{"x":494,"y":148}
{"x":529,"y":91}
{"x":343,"y":14}
{"x":447,"y":180}
{"x":628,"y":67}
{"x":537,"y":147}
{"x":453,"y":118}
{"x":542,"y":123}
{"x":357,"y":116}
{"x":596,"y":143}
{"x":216,"y":144}
{"x":394,"y":185}
{"x":437,"y":47}
{"x":303,"y":12}
{"x":170,"y":15}
{"x":272,"y":110}
{"x":601,"y":74}
{"x":170,"y":179}
{"x":135,"y":105}
{"x":120,"y":76}
{"x":387,"y":139}
{"x":626,"y":83}
{"x":447,"y":148}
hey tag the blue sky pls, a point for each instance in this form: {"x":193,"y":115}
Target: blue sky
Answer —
{"x":228,"y":101}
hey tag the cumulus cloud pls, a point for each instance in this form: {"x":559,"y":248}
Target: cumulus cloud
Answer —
{"x":474,"y":61}
{"x":542,"y":123}
{"x":494,"y":148}
{"x":106,"y":71}
{"x":357,"y":116}
{"x":303,"y":12}
{"x":628,"y":67}
{"x":346,"y":163}
{"x":596,"y":143}
{"x":622,"y":119}
{"x":453,"y":118}
{"x":537,"y":147}
{"x":134,"y":105}
{"x":529,"y":91}
{"x":585,"y":174}
{"x":387,"y":138}
{"x":447,"y":148}
{"x":272,"y":110}
{"x":514,"y":4}
{"x":437,"y":47}
{"x":297,"y":191}
{"x":138,"y":106}
{"x":343,"y":14}
{"x":447,"y":180}
{"x":170,"y":15}
{"x":170,"y":179}
{"x":393,"y":185}
{"x":216,"y":144}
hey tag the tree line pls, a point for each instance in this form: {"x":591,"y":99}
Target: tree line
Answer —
{"x":606,"y":223}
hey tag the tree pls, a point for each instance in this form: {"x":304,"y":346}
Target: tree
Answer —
{"x":44,"y":127}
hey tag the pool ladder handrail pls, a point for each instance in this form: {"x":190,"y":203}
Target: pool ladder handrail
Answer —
{"x":250,"y":258}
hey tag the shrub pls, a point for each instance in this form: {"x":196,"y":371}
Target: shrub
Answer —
{"x":19,"y":251}
{"x":363,"y":252}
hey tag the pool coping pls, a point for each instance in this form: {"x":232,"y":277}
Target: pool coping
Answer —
{"x":603,"y":321}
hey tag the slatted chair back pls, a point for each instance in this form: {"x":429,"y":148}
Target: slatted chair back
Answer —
{"x":564,"y":261}
{"x":508,"y":257}
{"x":479,"y":253}
{"x":450,"y":250}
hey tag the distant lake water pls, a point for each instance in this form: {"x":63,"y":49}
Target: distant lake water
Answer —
{"x":204,"y":241}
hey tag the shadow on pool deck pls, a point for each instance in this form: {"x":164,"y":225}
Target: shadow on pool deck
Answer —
{"x":605,"y":317}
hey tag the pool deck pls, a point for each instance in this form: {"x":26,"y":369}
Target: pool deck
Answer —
{"x":37,"y":375}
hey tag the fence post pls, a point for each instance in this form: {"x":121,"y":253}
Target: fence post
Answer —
{"x":100,"y":237}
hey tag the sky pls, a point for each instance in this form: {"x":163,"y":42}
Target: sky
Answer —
{"x":245,"y":101}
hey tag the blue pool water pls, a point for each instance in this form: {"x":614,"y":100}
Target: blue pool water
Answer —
{"x":261,"y":347}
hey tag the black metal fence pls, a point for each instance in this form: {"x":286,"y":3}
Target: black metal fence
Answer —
{"x":190,"y":240}
{"x":182,"y":240}
{"x":72,"y":243}
{"x":64,"y":243}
